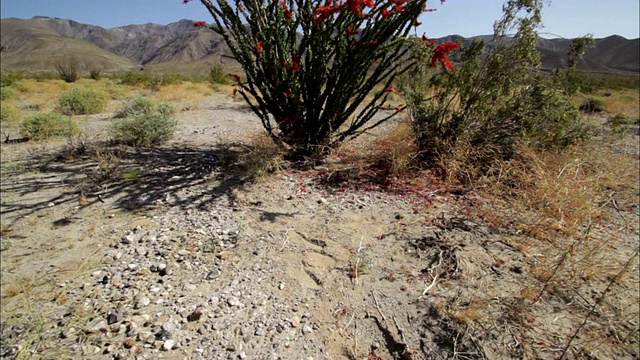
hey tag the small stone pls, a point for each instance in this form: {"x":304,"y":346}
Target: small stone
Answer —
{"x":168,"y":329}
{"x":153,"y":268}
{"x":281,"y":286}
{"x":132,"y":329}
{"x":307,"y":329}
{"x":231,"y":347}
{"x":213,"y":274}
{"x":242,"y":355}
{"x":163,"y":269}
{"x":295,"y":321}
{"x":114,"y":316}
{"x":168,"y":345}
{"x":183,"y":252}
{"x":129,"y":343}
{"x":127,"y":239}
{"x":132,"y":267}
{"x":233,"y":301}
{"x":375,"y":345}
{"x":196,"y":314}
{"x":143,"y":302}
{"x":260,"y":331}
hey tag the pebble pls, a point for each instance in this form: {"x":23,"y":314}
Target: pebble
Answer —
{"x":307,"y":329}
{"x":233,"y":301}
{"x":168,"y":345}
{"x":143,"y":302}
{"x":213,"y":274}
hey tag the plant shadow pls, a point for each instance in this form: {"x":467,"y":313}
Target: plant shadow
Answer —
{"x":128,"y":178}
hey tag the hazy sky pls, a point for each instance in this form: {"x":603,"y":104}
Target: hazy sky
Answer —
{"x":565,"y":18}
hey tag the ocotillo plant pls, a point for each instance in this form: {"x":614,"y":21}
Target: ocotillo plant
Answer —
{"x":310,"y":65}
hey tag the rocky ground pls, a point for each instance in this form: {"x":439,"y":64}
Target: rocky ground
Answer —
{"x":181,"y":258}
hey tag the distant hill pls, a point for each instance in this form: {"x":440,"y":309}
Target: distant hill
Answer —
{"x":40,"y":42}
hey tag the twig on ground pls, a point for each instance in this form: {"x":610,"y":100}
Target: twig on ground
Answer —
{"x":286,"y":239}
{"x":426,"y":290}
{"x":378,"y":306}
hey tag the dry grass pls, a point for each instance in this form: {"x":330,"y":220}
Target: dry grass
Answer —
{"x":625,"y":101}
{"x":262,"y":157}
{"x":187,"y":95}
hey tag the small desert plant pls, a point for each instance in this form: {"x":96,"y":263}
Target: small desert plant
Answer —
{"x":262,"y":157}
{"x":44,"y":125}
{"x":132,"y":78}
{"x":148,"y":124}
{"x":78,"y":101}
{"x":138,"y":104}
{"x":217,"y":74}
{"x":9,"y":114}
{"x":618,"y":123}
{"x":94,"y":74}
{"x":7,"y":92}
{"x":68,"y":69}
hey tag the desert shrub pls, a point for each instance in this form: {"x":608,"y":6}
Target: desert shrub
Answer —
{"x":9,"y":114}
{"x":618,"y":123}
{"x":7,"y":92}
{"x":217,"y":74}
{"x":68,"y":69}
{"x":311,"y":64}
{"x":95,"y":74}
{"x":166,"y":108}
{"x":78,"y":101}
{"x":46,"y":124}
{"x":592,"y":105}
{"x":148,"y":124}
{"x":132,"y":78}
{"x":41,"y":76}
{"x":135,"y":105}
{"x":496,"y":99}
{"x":9,"y":78}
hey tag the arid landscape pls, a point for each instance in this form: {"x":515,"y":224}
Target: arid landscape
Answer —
{"x":146,"y":214}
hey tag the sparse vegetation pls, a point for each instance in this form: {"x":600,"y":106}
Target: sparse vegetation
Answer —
{"x":79,"y":101}
{"x":145,"y":123}
{"x":94,"y":74}
{"x":69,"y":69}
{"x":45,"y":125}
{"x":8,"y":114}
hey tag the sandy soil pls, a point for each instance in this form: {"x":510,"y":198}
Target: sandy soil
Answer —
{"x":169,"y":252}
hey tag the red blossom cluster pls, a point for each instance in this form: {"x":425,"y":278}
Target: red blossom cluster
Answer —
{"x":199,"y":23}
{"x":440,"y":54}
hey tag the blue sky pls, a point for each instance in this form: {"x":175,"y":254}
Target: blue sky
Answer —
{"x":565,"y":18}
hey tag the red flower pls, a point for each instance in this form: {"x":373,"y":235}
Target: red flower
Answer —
{"x":351,"y":30}
{"x":440,"y":54}
{"x":385,"y":13}
{"x":417,"y":23}
{"x":373,"y":42}
{"x":287,"y":93}
{"x":200,"y":24}
{"x":295,"y":66}
{"x":376,"y":61}
{"x":259,"y":46}
{"x":288,"y":14}
{"x":235,"y":77}
{"x":389,"y":88}
{"x":322,"y":13}
{"x":398,"y":8}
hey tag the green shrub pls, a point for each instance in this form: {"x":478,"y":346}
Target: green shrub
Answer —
{"x":132,"y":78}
{"x":95,"y":74}
{"x":9,"y":78}
{"x":144,"y":123}
{"x":217,"y":75}
{"x":496,"y":99}
{"x":166,"y":108}
{"x":44,"y":125}
{"x":8,"y":114}
{"x":78,"y":101}
{"x":7,"y":92}
{"x":135,"y":105}
{"x":144,"y":129}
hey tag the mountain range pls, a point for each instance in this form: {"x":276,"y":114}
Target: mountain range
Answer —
{"x":41,"y":42}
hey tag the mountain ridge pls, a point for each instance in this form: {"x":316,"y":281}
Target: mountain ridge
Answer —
{"x":38,"y":43}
